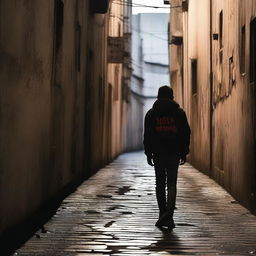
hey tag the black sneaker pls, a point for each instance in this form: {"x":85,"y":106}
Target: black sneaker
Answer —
{"x":164,"y":221}
{"x":171,"y":224}
{"x":158,"y":224}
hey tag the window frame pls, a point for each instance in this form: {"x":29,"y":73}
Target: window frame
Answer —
{"x":194,"y":86}
{"x":252,"y":58}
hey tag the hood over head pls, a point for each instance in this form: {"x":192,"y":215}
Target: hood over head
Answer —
{"x":165,"y":106}
{"x":165,"y":92}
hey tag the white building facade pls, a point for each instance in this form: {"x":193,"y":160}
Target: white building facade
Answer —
{"x":149,"y":63}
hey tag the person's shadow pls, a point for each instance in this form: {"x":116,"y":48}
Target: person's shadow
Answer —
{"x":169,"y":242}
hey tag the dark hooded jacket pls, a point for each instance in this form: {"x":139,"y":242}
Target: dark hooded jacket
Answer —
{"x":167,"y":131}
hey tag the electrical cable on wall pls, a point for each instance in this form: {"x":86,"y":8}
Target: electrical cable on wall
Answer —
{"x":125,"y":3}
{"x":138,"y":30}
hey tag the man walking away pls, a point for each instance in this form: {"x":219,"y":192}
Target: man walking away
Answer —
{"x":166,"y":142}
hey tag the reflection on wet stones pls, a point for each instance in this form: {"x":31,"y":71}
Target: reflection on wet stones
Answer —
{"x":114,"y":207}
{"x":105,"y":196}
{"x":123,"y":190}
{"x":114,"y":213}
{"x":92,"y":212}
{"x":185,"y":225}
{"x":127,"y":212}
{"x":110,"y":223}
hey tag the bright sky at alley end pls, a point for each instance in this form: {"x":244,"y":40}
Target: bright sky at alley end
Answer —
{"x":158,"y":3}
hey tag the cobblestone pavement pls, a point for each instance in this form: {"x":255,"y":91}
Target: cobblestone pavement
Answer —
{"x":114,"y":213}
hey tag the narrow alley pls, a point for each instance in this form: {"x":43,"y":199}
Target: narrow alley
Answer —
{"x":87,"y":86}
{"x":114,"y":212}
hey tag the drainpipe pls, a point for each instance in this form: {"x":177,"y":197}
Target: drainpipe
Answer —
{"x":211,"y":96}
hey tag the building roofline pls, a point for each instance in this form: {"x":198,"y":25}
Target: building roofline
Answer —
{"x":156,"y":64}
{"x":138,"y":77}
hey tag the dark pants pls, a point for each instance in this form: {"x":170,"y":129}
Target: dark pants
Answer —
{"x":166,"y":170}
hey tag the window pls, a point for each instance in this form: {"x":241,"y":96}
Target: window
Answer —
{"x":59,"y":16}
{"x":242,"y":51}
{"x":116,"y":84}
{"x":78,"y":46}
{"x":231,"y":74}
{"x":125,"y":91}
{"x":253,"y":51}
{"x":169,"y":32}
{"x":194,"y":76}
{"x":101,"y":92}
{"x":221,"y":29}
{"x":119,"y":29}
{"x":221,"y":37}
{"x":221,"y":52}
{"x":58,"y":41}
{"x":184,"y":5}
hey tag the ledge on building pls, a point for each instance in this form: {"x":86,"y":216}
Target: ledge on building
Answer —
{"x":156,"y":63}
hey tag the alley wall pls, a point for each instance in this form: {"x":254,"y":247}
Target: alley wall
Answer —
{"x":62,"y":113}
{"x":213,"y":75}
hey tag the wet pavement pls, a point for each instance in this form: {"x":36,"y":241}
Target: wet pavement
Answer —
{"x":114,"y":212}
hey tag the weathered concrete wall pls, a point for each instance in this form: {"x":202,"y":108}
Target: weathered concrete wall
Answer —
{"x":25,"y":130}
{"x":198,"y":50}
{"x":60,"y":120}
{"x":233,"y":101}
{"x":195,"y":46}
{"x":176,"y":67}
{"x":221,"y":113}
{"x":99,"y":93}
{"x":115,"y":78}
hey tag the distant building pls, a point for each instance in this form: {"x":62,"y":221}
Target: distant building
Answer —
{"x":149,"y":63}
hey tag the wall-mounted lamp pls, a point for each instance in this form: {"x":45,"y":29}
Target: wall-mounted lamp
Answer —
{"x":99,"y":6}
